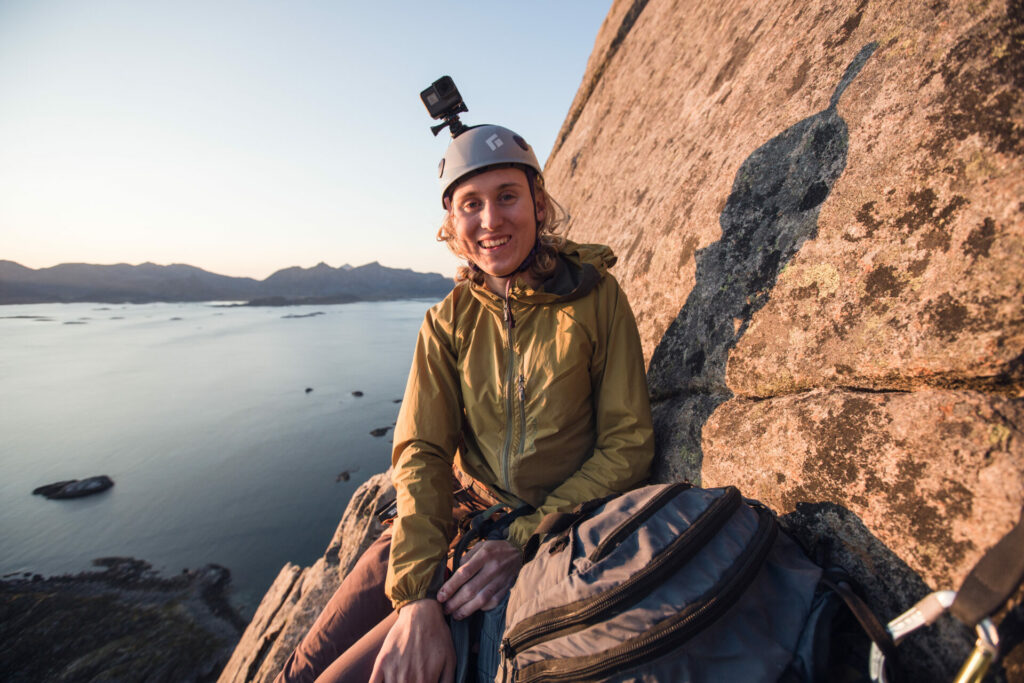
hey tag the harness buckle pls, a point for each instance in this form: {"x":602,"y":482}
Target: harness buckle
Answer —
{"x":924,"y":613}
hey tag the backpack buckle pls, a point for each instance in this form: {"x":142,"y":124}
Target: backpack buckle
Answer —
{"x":924,"y":613}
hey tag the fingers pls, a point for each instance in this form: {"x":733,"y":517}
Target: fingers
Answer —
{"x":465,"y":572}
{"x":417,"y":649}
{"x":476,"y":573}
{"x":483,"y":580}
{"x":498,"y":596}
{"x":448,"y":674}
{"x":378,"y":672}
{"x":476,"y":595}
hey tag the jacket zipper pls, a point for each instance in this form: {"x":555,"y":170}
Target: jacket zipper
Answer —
{"x":577,"y":616}
{"x":512,"y":385}
{"x":522,"y":412}
{"x":672,"y":632}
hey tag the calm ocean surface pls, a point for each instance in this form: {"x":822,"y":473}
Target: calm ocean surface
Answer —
{"x":200,"y":415}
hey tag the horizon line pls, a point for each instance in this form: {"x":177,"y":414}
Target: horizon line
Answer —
{"x":167,"y":265}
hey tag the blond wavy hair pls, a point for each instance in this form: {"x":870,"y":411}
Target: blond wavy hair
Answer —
{"x":549,"y":242}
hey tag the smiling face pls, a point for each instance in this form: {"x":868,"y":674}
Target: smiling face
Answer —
{"x":495,"y":223}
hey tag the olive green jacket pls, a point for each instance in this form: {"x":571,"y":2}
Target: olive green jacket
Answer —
{"x":544,"y":404}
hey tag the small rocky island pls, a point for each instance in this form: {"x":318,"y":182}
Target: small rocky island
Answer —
{"x":75,"y":488}
{"x":124,"y":622}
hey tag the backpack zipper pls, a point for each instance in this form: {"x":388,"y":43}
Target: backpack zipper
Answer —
{"x":636,"y":520}
{"x":672,"y":632}
{"x":561,"y":621}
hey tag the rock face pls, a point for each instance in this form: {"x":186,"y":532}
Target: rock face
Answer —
{"x":298,"y":594}
{"x":819,"y":213}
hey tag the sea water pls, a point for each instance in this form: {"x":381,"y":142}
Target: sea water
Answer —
{"x":203,"y":417}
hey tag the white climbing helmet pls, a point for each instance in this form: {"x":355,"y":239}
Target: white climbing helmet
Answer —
{"x":477,"y":148}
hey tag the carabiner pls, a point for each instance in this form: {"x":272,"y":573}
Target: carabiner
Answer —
{"x":925,"y":612}
{"x":985,"y":652}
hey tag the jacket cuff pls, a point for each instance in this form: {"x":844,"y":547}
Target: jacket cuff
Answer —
{"x":405,"y":601}
{"x":436,"y":581}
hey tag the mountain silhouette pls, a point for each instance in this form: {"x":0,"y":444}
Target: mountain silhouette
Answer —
{"x":147,"y":282}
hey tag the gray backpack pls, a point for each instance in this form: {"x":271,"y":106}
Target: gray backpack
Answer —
{"x":665,"y":583}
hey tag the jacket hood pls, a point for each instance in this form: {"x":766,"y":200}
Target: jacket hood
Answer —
{"x":580,"y":267}
{"x":597,"y":255}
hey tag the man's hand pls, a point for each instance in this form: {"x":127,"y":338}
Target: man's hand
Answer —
{"x":418,"y":648}
{"x":483,"y":580}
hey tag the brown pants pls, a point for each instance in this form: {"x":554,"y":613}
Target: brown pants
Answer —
{"x":343,"y":643}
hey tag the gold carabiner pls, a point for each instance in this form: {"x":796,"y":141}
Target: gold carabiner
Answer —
{"x":984,"y":653}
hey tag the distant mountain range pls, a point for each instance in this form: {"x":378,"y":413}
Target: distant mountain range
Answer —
{"x":147,"y":282}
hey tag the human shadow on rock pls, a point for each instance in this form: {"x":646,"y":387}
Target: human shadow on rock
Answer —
{"x":771,"y":211}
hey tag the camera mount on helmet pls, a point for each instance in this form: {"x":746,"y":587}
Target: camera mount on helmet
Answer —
{"x":443,"y":101}
{"x":472,"y":148}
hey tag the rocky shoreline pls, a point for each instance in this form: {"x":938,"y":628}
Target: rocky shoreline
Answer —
{"x":123,"y":622}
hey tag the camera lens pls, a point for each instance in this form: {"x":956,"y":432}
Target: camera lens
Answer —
{"x":444,"y":86}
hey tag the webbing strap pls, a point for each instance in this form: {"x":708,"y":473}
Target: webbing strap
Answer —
{"x":994,"y":579}
{"x":869,"y":622}
{"x":461,"y":641}
{"x":481,"y":526}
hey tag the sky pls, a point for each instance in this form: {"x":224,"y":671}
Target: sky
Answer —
{"x":245,"y":137}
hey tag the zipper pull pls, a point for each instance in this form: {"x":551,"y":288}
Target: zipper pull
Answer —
{"x":508,"y":670}
{"x":522,"y":388}
{"x":510,"y":319}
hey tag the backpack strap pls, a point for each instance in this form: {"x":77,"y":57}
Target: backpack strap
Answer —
{"x":476,"y":523}
{"x":876,"y":631}
{"x":994,"y":579}
{"x":462,"y":642}
{"x":483,"y":525}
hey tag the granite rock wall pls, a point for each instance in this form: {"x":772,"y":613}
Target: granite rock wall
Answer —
{"x":819,"y":213}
